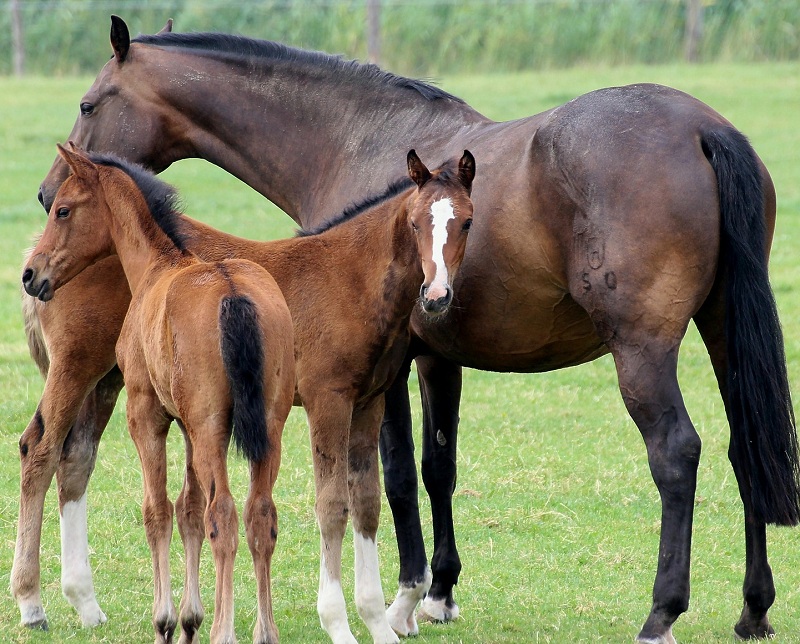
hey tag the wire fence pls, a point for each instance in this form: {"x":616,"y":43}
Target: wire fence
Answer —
{"x":418,"y":37}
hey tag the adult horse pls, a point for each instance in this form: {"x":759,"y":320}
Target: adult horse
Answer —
{"x":607,"y":221}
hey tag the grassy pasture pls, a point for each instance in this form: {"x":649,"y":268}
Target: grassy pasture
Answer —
{"x":556,"y":514}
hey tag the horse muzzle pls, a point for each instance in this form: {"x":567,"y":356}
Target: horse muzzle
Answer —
{"x":37,"y":286}
{"x":435,"y":301}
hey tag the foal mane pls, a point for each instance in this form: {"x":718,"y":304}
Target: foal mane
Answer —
{"x":353,"y":210}
{"x":162,"y":199}
{"x":244,"y":50}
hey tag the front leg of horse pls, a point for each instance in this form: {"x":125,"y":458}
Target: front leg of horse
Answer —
{"x":363,"y":480}
{"x":649,"y":386}
{"x":440,"y":385}
{"x":40,"y":449}
{"x":400,"y":481}
{"x":329,"y":420}
{"x":77,"y":462}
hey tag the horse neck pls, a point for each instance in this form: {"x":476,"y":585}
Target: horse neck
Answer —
{"x":143,"y":248}
{"x":310,"y":147}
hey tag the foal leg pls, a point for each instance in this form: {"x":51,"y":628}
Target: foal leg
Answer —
{"x":261,"y":523}
{"x":210,"y":448}
{"x":363,"y":480}
{"x":148,"y":427}
{"x":440,"y":385}
{"x":329,"y":417}
{"x":400,"y":482}
{"x":758,"y":588}
{"x":647,"y":370}
{"x":189,"y":510}
{"x":78,"y":458}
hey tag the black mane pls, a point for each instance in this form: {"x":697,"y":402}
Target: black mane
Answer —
{"x":162,"y":199}
{"x":357,"y":208}
{"x":246,"y":50}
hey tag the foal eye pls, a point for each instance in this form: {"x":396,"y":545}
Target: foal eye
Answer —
{"x":87,"y":109}
{"x":467,"y":225}
{"x":62,"y":213}
{"x":414,"y":226}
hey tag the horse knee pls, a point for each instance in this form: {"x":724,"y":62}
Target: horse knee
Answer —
{"x":32,"y":435}
{"x":221,"y":521}
{"x":261,"y":526}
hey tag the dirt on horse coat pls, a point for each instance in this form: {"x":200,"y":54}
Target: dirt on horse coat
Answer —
{"x":600,"y":219}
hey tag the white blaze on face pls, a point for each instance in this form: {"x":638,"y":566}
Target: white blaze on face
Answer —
{"x":441,"y":213}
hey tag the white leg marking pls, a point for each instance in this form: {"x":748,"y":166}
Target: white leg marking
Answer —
{"x":437,"y":610}
{"x":76,"y":574}
{"x":668,"y":638}
{"x":402,"y":613}
{"x":330,"y":606}
{"x":369,"y":594}
{"x":31,"y":612}
{"x":441,"y":213}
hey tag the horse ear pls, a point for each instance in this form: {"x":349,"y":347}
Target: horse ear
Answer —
{"x":120,"y":39}
{"x":416,"y":169}
{"x":80,"y":164}
{"x":466,"y":169}
{"x":167,"y":28}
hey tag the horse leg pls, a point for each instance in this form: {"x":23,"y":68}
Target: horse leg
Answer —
{"x":261,"y":524}
{"x":440,"y":385}
{"x":210,"y":448}
{"x":400,"y":482}
{"x":363,"y":482}
{"x":329,"y":418}
{"x":40,"y":450}
{"x":78,"y":457}
{"x":758,"y":587}
{"x":189,"y":509}
{"x":647,"y":370}
{"x":148,"y":427}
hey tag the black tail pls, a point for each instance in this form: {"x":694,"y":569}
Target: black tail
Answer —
{"x":243,"y":357}
{"x":763,"y":431}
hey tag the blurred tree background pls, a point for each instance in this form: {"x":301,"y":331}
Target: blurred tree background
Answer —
{"x":418,"y":37}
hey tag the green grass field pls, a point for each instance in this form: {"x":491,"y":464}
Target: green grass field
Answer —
{"x":556,"y":515}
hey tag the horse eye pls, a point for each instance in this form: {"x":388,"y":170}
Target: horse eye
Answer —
{"x":87,"y":109}
{"x":467,"y":225}
{"x":62,"y":213}
{"x":414,"y":226}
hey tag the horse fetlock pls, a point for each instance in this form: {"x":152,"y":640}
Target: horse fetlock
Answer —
{"x":753,"y":625}
{"x":438,"y":610}
{"x":79,"y":592}
{"x":31,"y":612}
{"x":665,"y":638}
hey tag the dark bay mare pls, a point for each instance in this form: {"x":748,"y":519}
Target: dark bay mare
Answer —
{"x":351,"y":333}
{"x":605,"y":224}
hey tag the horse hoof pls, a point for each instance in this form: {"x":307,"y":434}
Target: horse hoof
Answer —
{"x":666,"y":638}
{"x":437,"y":611}
{"x":93,"y":617}
{"x":759,"y":631}
{"x":40,"y":624}
{"x":33,"y":617}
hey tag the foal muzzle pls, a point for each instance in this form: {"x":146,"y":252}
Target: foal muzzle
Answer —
{"x":36,"y":286}
{"x":434,"y":306}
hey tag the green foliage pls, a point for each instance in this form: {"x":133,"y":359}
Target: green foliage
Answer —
{"x":426,"y":36}
{"x":556,"y":515}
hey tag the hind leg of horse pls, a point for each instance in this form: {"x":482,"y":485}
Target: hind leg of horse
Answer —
{"x":148,"y":427}
{"x":40,"y":450}
{"x":189,"y":510}
{"x":329,"y":417}
{"x":363,"y":482}
{"x":400,"y":483}
{"x":440,"y":385}
{"x":758,"y":587}
{"x":210,"y":449}
{"x":647,"y":370}
{"x":78,"y":458}
{"x":261,"y":525}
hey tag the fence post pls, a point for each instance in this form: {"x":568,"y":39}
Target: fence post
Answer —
{"x":17,"y":40}
{"x":694,"y":30}
{"x":374,"y":31}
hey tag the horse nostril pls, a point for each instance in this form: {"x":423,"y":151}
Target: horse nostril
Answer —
{"x":27,"y":276}
{"x":423,"y":291}
{"x":40,"y":196}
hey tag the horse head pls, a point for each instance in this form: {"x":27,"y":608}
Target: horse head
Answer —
{"x":72,"y":239}
{"x":440,"y":214}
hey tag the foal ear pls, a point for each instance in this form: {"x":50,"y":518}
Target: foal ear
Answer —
{"x":166,"y":29}
{"x":416,"y":169}
{"x":120,"y":39}
{"x":76,"y":159}
{"x":466,"y":170}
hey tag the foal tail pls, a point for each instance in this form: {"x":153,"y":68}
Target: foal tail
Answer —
{"x":763,"y":430}
{"x":243,"y":357}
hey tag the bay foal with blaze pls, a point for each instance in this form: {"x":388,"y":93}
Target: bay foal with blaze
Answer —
{"x":209,"y":345}
{"x":351,"y":286}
